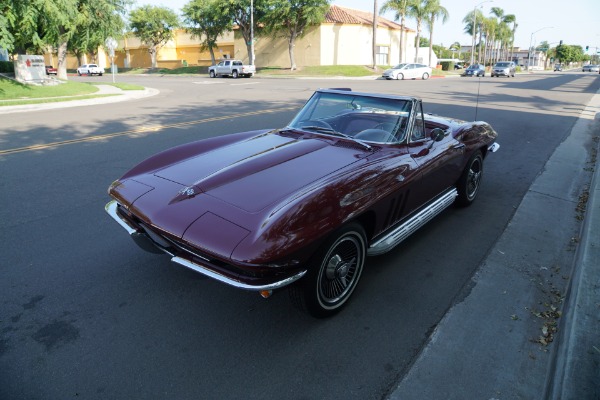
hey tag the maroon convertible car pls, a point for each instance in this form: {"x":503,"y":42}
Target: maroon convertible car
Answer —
{"x":351,"y":176}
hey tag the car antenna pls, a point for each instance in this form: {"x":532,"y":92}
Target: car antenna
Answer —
{"x":477,"y":102}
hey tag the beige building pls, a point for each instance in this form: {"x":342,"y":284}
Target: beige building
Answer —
{"x":344,"y":38}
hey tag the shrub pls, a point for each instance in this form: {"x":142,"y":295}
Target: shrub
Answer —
{"x":7,"y":67}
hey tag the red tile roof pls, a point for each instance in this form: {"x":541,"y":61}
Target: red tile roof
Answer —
{"x":343,"y":15}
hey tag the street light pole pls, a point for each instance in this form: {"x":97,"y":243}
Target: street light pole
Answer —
{"x":530,"y":42}
{"x":474,"y":24}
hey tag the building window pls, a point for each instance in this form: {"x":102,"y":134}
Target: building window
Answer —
{"x":382,"y":55}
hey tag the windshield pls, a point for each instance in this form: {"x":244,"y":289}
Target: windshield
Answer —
{"x":359,"y":117}
{"x":503,"y":64}
{"x":399,"y":66}
{"x":474,"y":66}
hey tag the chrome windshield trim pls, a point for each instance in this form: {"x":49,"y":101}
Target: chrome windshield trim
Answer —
{"x":232,"y":282}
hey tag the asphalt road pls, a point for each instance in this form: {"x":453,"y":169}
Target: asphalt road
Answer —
{"x":86,"y":314}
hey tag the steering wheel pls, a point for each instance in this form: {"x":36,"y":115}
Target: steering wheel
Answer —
{"x":375,"y":135}
{"x":316,"y":122}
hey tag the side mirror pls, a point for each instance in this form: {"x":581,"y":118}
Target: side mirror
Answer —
{"x":437,"y":134}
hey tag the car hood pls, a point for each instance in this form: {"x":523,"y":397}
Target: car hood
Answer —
{"x":254,"y":173}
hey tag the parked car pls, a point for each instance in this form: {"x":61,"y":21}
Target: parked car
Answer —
{"x":50,"y":70}
{"x":558,"y":67}
{"x":504,"y":68}
{"x":591,"y":68}
{"x":407,"y":71}
{"x":233,"y":68}
{"x":458,"y":66}
{"x":352,"y":175}
{"x":90,"y":69}
{"x":474,"y":70}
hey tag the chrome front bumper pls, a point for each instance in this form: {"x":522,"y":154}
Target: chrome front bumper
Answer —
{"x":146,"y":242}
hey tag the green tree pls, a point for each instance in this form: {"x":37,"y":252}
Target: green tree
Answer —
{"x":290,"y":18}
{"x":155,"y":26}
{"x":248,"y":21}
{"x":97,"y":20}
{"x":435,"y":11}
{"x":206,"y":20}
{"x":455,"y":47}
{"x":419,"y":11}
{"x":400,"y":8}
{"x":34,"y":25}
{"x":473,"y":26}
{"x":511,"y":19}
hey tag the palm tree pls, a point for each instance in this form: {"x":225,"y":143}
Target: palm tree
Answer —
{"x":455,"y":47}
{"x":400,"y":7}
{"x":472,"y":26}
{"x":511,"y":19}
{"x":435,"y":10}
{"x":418,"y":10}
{"x":375,"y":23}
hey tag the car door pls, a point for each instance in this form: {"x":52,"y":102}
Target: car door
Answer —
{"x":220,"y":67}
{"x":411,"y":71}
{"x":439,"y":162}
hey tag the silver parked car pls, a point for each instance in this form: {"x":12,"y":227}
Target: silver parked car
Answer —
{"x":407,"y":71}
{"x":591,"y":68}
{"x":504,"y":68}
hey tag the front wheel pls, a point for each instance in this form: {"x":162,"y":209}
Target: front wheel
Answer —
{"x":212,"y":74}
{"x":400,"y":76}
{"x":470,"y":180}
{"x":333,"y":274}
{"x":234,"y":74}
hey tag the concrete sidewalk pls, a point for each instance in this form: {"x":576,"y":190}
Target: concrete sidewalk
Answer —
{"x":529,"y":327}
{"x":117,"y":96}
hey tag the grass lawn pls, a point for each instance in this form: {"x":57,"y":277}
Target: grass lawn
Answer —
{"x":11,"y":90}
{"x":13,"y":93}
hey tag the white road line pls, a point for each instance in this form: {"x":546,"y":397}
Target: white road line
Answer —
{"x":249,"y":83}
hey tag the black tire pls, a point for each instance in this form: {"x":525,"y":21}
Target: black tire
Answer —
{"x":212,"y":74}
{"x":470,"y":181}
{"x":333,"y":273}
{"x":100,"y":74}
{"x":78,"y":73}
{"x":400,"y":76}
{"x":234,"y":74}
{"x":425,"y":76}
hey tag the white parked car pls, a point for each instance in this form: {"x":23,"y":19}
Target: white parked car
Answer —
{"x":591,"y":68}
{"x":407,"y":71}
{"x":90,"y":69}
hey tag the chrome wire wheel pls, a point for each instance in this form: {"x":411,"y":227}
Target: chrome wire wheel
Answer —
{"x":474,"y":178}
{"x":470,"y":180}
{"x":333,"y":273}
{"x":340,"y":270}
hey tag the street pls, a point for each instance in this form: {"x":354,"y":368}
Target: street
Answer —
{"x":84,"y":313}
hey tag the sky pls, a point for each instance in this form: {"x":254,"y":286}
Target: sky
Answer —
{"x":575,"y":22}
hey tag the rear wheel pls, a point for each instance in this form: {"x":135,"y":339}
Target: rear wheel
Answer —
{"x":400,"y":76}
{"x":234,"y":74}
{"x":333,"y":274}
{"x":425,"y":76}
{"x":470,"y":180}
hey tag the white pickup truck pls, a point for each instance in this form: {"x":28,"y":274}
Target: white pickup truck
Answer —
{"x":233,"y":68}
{"x":90,"y":69}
